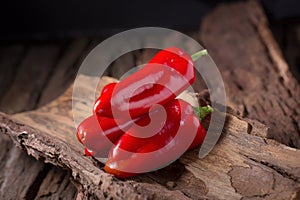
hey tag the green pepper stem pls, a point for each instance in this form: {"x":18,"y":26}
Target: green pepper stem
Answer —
{"x":201,"y":112}
{"x":199,"y":54}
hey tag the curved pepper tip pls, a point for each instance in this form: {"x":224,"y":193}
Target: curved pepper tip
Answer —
{"x":88,"y":152}
{"x":102,"y":106}
{"x":80,"y":135}
{"x":118,"y":173}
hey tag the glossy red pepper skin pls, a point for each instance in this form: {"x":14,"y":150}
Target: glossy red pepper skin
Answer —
{"x":165,"y":76}
{"x":105,"y":97}
{"x":98,"y":140}
{"x":178,"y":60}
{"x":201,"y":133}
{"x":180,"y":118}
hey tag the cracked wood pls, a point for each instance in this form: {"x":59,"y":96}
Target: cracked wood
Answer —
{"x":257,"y":79}
{"x":239,"y":159}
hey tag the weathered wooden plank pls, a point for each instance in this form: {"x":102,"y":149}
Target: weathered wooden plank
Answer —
{"x":56,"y":185}
{"x":64,"y":71}
{"x":33,"y":171}
{"x":258,"y":81}
{"x":30,"y":78}
{"x":123,"y":64}
{"x":19,"y":173}
{"x":22,"y":177}
{"x":243,"y":164}
{"x":247,"y":166}
{"x":10,"y":57}
{"x":237,"y":161}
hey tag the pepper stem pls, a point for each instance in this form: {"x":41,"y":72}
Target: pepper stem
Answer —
{"x":201,"y":112}
{"x":199,"y":54}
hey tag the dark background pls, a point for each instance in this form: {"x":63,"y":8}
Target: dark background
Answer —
{"x":40,"y":20}
{"x":43,"y":18}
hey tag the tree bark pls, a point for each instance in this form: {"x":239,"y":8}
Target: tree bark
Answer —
{"x":258,"y":81}
{"x":244,"y":164}
{"x":242,"y":157}
{"x":34,"y":179}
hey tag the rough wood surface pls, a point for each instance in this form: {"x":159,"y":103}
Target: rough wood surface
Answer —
{"x":56,"y":185}
{"x":244,"y":164}
{"x":258,"y":81}
{"x":239,"y":159}
{"x":30,"y":78}
{"x":34,"y":178}
{"x":64,"y":71}
{"x":16,"y":164}
{"x":10,"y":57}
{"x":22,"y":177}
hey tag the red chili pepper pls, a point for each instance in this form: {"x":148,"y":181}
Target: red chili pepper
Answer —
{"x":105,"y":97}
{"x":98,"y":134}
{"x":159,"y":82}
{"x":166,"y":75}
{"x":125,"y":157}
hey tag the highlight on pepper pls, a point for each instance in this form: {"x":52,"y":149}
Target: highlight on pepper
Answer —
{"x":117,"y":130}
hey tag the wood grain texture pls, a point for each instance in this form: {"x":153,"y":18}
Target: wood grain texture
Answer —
{"x":239,"y":159}
{"x":10,"y":57}
{"x":56,"y":185}
{"x":258,"y":81}
{"x":30,"y":78}
{"x":243,"y":165}
{"x":23,"y":177}
{"x":64,"y":71}
{"x":20,"y":169}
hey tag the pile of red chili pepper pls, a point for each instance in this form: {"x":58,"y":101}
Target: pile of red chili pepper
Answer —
{"x":118,"y":127}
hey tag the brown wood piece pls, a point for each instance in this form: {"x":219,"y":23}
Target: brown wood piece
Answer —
{"x":64,"y":71}
{"x":22,"y":177}
{"x":257,"y":79}
{"x":237,"y":161}
{"x":22,"y":171}
{"x":29,"y":79}
{"x":244,"y":163}
{"x":10,"y":57}
{"x":56,"y":185}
